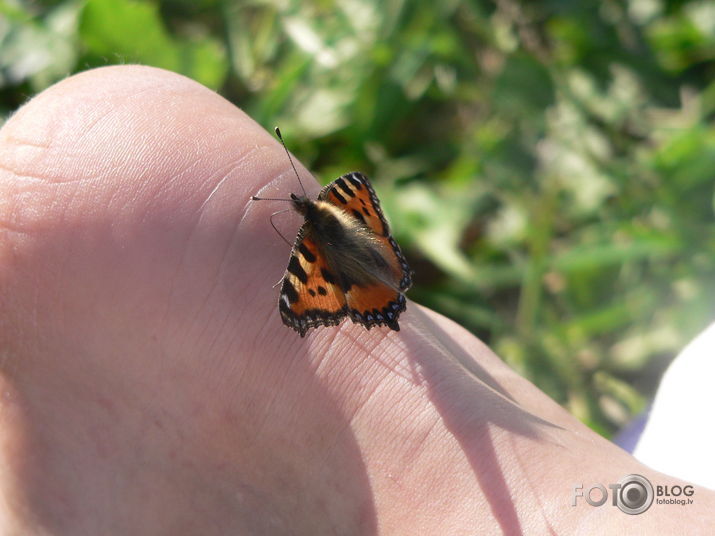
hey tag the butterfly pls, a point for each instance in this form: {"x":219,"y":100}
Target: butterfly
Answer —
{"x":345,"y":262}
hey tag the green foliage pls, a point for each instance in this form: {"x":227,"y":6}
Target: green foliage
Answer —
{"x":547,"y":165}
{"x":130,"y":31}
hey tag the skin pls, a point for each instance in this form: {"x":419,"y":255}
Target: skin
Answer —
{"x":149,"y":386}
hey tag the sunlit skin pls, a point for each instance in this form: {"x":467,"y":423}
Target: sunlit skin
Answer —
{"x":150,"y":387}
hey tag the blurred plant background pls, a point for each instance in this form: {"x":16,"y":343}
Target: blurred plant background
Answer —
{"x":548,"y":166}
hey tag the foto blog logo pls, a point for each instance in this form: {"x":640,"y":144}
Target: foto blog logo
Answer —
{"x":633,"y":494}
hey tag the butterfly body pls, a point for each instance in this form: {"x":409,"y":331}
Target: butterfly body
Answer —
{"x":344,"y":262}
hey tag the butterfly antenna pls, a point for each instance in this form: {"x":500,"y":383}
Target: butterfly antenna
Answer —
{"x":256,"y":198}
{"x":278,"y":133}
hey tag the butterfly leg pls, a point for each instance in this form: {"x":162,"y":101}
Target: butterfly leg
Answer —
{"x":276,"y":228}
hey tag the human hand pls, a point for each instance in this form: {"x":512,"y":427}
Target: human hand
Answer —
{"x":149,"y":385}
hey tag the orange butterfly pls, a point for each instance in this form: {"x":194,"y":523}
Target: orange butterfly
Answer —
{"x":344,"y":261}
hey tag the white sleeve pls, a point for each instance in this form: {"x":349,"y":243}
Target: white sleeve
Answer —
{"x":679,"y":437}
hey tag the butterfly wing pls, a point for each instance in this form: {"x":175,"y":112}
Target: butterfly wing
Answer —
{"x":377,"y":303}
{"x":307,"y":300}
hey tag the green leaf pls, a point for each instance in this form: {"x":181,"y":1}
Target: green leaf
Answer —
{"x":129,"y":31}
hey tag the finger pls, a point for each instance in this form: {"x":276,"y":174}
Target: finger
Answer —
{"x":126,"y":198}
{"x":143,"y":336}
